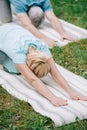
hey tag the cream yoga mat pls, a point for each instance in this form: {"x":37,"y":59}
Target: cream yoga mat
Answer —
{"x":76,"y":32}
{"x":18,"y":86}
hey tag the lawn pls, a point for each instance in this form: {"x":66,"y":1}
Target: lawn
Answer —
{"x":19,"y":115}
{"x":73,"y":11}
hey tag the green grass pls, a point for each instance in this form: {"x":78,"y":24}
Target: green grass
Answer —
{"x":19,"y":115}
{"x":16,"y":114}
{"x":73,"y":11}
{"x":73,"y":57}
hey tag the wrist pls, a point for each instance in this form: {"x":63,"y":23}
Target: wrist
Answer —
{"x":62,"y":32}
{"x":52,"y":99}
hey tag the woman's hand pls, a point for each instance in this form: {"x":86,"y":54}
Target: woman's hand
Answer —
{"x":58,"y":101}
{"x":75,"y":96}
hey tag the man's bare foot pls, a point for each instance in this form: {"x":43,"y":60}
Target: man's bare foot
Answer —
{"x":76,"y":96}
{"x":57,"y":101}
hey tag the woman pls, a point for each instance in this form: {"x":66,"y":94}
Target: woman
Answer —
{"x":29,"y":56}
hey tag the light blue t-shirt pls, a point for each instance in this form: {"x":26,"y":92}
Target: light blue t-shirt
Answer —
{"x":15,"y":41}
{"x":22,"y":6}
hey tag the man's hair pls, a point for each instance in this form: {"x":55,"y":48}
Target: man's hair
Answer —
{"x":36,"y":15}
{"x":38,"y":63}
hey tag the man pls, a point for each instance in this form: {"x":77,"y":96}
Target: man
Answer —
{"x":27,"y":10}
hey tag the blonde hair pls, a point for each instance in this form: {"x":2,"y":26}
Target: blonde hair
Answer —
{"x":38,"y":63}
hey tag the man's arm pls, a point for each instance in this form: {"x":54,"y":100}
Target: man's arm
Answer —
{"x":26,"y":22}
{"x":40,"y":86}
{"x":57,"y":25}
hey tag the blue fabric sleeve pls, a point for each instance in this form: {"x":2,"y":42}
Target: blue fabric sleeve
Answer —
{"x":46,"y":51}
{"x":19,"y":6}
{"x":46,"y":5}
{"x":38,"y":44}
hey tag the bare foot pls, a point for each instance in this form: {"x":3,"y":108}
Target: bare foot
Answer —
{"x":76,"y":96}
{"x":57,"y":101}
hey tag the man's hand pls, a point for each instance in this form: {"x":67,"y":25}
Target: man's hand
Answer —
{"x":66,"y":36}
{"x":50,"y":42}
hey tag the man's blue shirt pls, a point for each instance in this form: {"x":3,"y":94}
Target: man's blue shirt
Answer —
{"x":22,"y":6}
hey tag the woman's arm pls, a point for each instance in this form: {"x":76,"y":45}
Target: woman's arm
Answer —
{"x":64,"y":84}
{"x":40,"y":86}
